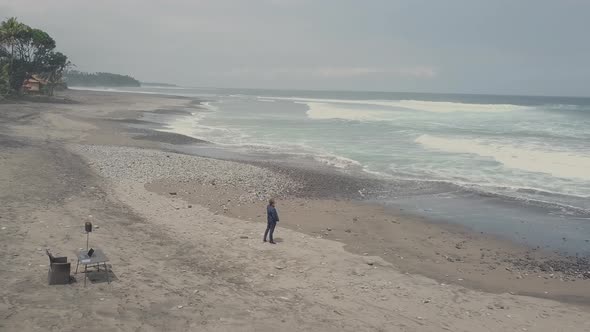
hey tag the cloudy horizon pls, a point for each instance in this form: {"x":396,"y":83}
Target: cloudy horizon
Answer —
{"x":459,"y":46}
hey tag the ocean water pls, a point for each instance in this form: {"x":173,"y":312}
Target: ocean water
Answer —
{"x":531,"y":152}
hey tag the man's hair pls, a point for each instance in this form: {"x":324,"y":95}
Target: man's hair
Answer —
{"x":271,"y":201}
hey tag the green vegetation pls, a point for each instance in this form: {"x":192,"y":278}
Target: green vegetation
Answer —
{"x":26,"y":51}
{"x":29,"y":62}
{"x":77,"y":78}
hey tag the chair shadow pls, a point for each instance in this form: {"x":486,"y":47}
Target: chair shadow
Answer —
{"x":97,"y":277}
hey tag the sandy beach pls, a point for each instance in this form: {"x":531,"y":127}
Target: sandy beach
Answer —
{"x":183,"y":234}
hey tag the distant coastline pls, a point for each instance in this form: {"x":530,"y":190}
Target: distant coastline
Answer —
{"x":78,"y":78}
{"x":156,"y":84}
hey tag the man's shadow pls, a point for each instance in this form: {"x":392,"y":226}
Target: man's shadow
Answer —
{"x":278,"y":239}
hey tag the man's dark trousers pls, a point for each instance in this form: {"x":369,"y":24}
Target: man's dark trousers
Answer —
{"x":270,"y":228}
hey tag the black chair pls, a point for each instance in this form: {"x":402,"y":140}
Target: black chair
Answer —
{"x":59,"y":270}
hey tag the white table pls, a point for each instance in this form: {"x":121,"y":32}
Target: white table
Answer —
{"x":97,"y":258}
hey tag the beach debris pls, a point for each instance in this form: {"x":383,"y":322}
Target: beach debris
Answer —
{"x":279,"y":267}
{"x":452,"y":258}
{"x":3,"y":228}
{"x":427,"y":301}
{"x":190,"y":206}
{"x":460,"y":245}
{"x":180,"y":307}
{"x":370,"y":261}
{"x":347,"y":230}
{"x":355,"y":219}
{"x":358,"y":272}
{"x":173,"y":193}
{"x":496,"y":306}
{"x":329,"y":229}
{"x":101,"y":299}
{"x":243,"y":237}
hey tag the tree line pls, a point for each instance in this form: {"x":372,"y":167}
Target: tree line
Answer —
{"x":77,"y":78}
{"x":27,"y":51}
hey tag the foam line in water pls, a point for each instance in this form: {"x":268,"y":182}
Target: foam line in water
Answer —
{"x":572,"y":165}
{"x":417,"y":105}
{"x":323,"y":111}
{"x":101,"y":89}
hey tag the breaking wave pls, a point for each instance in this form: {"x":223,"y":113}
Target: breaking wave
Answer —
{"x":570,"y":165}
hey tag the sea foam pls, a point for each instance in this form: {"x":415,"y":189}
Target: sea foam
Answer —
{"x":563,"y":164}
{"x":324,"y":111}
{"x":416,"y":105}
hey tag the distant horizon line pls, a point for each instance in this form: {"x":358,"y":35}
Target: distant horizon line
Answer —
{"x":378,"y":91}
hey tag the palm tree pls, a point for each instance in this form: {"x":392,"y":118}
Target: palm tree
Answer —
{"x":10,"y":30}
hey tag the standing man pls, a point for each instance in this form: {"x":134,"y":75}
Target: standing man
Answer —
{"x":272,"y":218}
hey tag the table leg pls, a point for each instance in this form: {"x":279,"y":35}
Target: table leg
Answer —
{"x":107,"y":272}
{"x":85,"y":273}
{"x":98,"y":266}
{"x":77,"y":264}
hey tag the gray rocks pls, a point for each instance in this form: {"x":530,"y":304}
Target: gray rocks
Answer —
{"x":572,"y":267}
{"x":145,"y":166}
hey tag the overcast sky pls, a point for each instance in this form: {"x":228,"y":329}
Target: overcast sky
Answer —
{"x":470,"y":46}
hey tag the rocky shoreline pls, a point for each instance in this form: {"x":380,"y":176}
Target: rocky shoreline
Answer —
{"x":145,"y":166}
{"x":233,"y":185}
